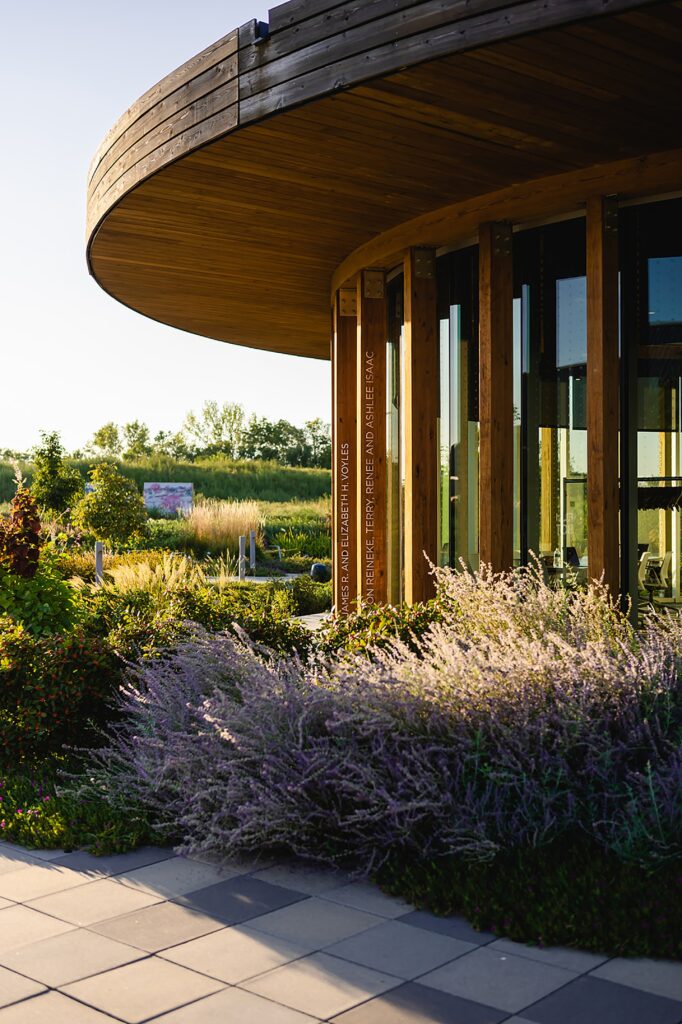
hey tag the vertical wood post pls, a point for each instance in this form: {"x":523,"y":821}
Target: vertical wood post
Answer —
{"x":372,"y":482}
{"x":602,"y":390}
{"x":496,"y":466}
{"x":420,"y":404}
{"x":99,"y":563}
{"x":344,"y":464}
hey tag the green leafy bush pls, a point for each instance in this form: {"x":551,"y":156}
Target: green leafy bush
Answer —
{"x":312,"y":541}
{"x":571,"y":892}
{"x":310,"y":597}
{"x":114,"y":511}
{"x":36,"y":813}
{"x":376,"y":626}
{"x":144,"y":618}
{"x":44,"y":603}
{"x":55,"y":484}
{"x":51,"y":689}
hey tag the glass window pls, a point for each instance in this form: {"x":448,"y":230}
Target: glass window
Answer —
{"x":651,"y":381}
{"x":551,"y":324}
{"x":459,"y":426}
{"x":665,"y":290}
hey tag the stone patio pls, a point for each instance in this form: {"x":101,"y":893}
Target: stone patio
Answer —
{"x":153,"y":936}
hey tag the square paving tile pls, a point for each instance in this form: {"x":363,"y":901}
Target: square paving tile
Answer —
{"x":6,"y":903}
{"x":662,"y":977}
{"x":20,"y":926}
{"x":47,"y":854}
{"x":69,"y":957}
{"x":31,"y":881}
{"x":115,"y":863}
{"x":415,"y":1004}
{"x":142,"y":990}
{"x":234,"y":1006}
{"x":559,"y":956}
{"x":52,"y":1008}
{"x":302,"y":877}
{"x":235,"y":954}
{"x":14,"y":857}
{"x":455,"y":927}
{"x":594,"y":1001}
{"x":96,"y":901}
{"x":368,"y":897}
{"x":321,"y":985}
{"x":158,"y":927}
{"x":14,"y":988}
{"x":239,"y":899}
{"x":498,"y":979}
{"x":315,"y":923}
{"x":175,"y":877}
{"x":399,"y":949}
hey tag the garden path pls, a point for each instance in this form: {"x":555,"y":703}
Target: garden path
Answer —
{"x":154,"y":936}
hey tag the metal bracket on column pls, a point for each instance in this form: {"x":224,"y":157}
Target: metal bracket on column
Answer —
{"x":373,"y":284}
{"x":348,"y":301}
{"x":424,"y":263}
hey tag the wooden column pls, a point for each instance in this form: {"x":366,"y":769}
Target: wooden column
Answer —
{"x":496,"y":408}
{"x":344,"y":464}
{"x":602,"y":390}
{"x":420,"y":404}
{"x":372,"y":481}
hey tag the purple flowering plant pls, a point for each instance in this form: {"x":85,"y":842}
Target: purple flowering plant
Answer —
{"x":526,"y":714}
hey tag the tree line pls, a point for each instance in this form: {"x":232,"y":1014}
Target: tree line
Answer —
{"x":216,"y":430}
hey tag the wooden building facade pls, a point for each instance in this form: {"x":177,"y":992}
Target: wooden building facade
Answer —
{"x":474,"y":208}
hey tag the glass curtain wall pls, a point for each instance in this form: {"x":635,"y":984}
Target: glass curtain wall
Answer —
{"x":394,"y":439}
{"x":459,"y":418}
{"x":651,"y":383}
{"x":550,"y":363}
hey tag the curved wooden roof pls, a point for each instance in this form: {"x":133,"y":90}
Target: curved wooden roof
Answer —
{"x":225,"y":198}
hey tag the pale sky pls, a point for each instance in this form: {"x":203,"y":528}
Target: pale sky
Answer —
{"x":72,"y":358}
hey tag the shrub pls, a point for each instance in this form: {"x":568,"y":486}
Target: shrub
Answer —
{"x":80,"y":562}
{"x":526,"y":716}
{"x":313,"y":541}
{"x":309,"y":597}
{"x":55,"y":484}
{"x":114,"y":511}
{"x":51,"y":689}
{"x":374,"y":627}
{"x":20,"y":535}
{"x":36,"y":814}
{"x":43,"y":603}
{"x":570,"y":892}
{"x":154,"y":609}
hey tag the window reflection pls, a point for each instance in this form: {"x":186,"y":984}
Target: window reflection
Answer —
{"x":459,"y":427}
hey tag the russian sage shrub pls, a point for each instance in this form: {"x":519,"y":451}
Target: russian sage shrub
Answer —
{"x":525,"y":715}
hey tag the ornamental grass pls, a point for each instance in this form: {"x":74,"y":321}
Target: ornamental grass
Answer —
{"x":214,"y":526}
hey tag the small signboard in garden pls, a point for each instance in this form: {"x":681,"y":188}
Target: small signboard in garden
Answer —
{"x":170,"y":498}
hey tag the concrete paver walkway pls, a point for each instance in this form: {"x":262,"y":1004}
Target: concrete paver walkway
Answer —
{"x":153,"y":936}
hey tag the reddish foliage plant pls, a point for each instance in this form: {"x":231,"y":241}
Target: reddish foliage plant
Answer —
{"x":20,"y":536}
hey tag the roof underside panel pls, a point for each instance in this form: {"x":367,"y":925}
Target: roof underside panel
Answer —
{"x":236,"y":235}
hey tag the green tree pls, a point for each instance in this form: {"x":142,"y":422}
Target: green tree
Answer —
{"x":136,"y":440}
{"x":107,"y":441}
{"x":55,"y":484}
{"x":114,"y":511}
{"x":217,"y":429}
{"x":172,"y":446}
{"x":280,"y":440}
{"x":319,"y":438}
